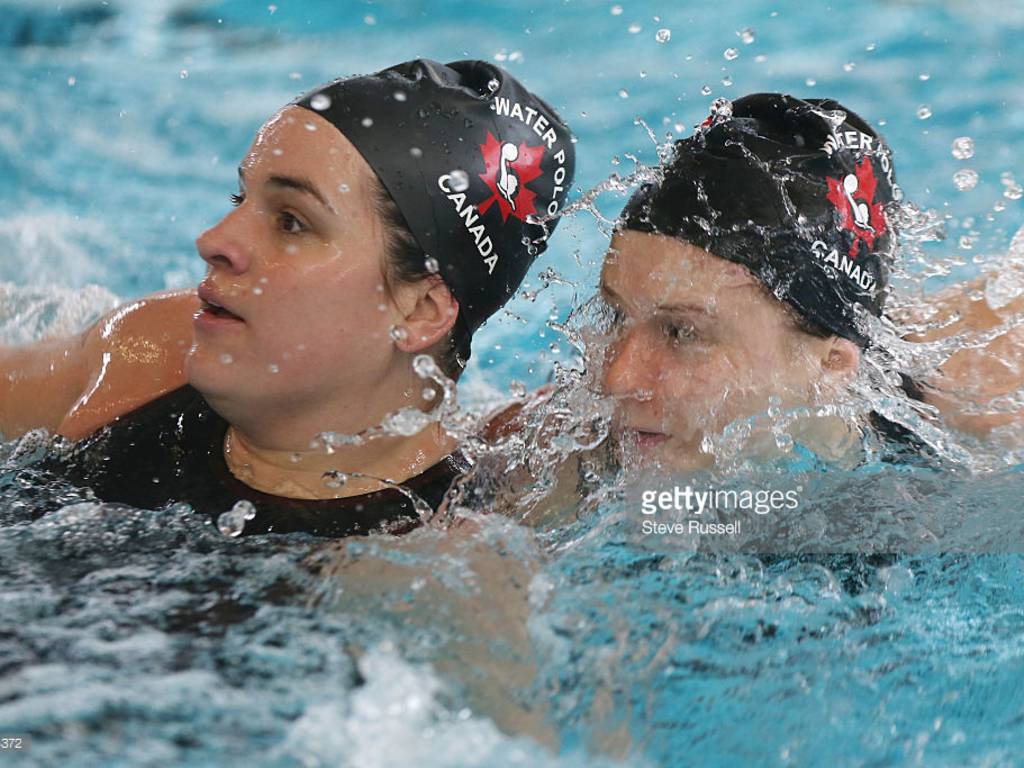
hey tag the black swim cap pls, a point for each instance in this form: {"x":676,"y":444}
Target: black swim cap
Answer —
{"x":792,"y":189}
{"x":470,"y":157}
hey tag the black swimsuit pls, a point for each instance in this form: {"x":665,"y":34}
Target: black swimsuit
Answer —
{"x":171,"y":450}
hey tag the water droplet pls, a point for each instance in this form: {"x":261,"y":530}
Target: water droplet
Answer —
{"x":849,"y":66}
{"x":963,"y":148}
{"x":416,"y":152}
{"x":727,"y":81}
{"x":294,"y":75}
{"x":663,"y":35}
{"x":320,"y":102}
{"x":369,"y":19}
{"x":274,"y":368}
{"x":924,"y":112}
{"x":810,"y":82}
{"x":643,"y":73}
{"x":226,"y":359}
{"x":731,"y":54}
{"x":277,"y":151}
{"x":183,"y":74}
{"x":870,"y":47}
{"x":257,"y":291}
{"x":493,"y":85}
{"x":966,"y":242}
{"x":343,"y":188}
{"x":1013,"y":191}
{"x":310,"y":126}
{"x":458,"y":180}
{"x":367,"y":122}
{"x":232,"y":523}
{"x":291,"y":249}
{"x":747,"y":35}
{"x":965,"y":179}
{"x":400,"y":96}
{"x":272,"y":9}
{"x":398,"y":333}
{"x":924,"y":77}
{"x":998,"y":206}
{"x":296,"y":458}
{"x":705,"y":91}
{"x":616,"y":10}
{"x":429,"y":393}
{"x":72,"y":80}
{"x":334,"y":478}
{"x":634,"y":29}
{"x":425,"y":367}
{"x":431,"y":265}
{"x":623,"y":93}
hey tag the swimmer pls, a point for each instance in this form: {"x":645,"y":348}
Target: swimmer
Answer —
{"x":358,"y":243}
{"x":751,"y":277}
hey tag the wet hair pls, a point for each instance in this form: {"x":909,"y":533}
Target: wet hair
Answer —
{"x":407,"y":263}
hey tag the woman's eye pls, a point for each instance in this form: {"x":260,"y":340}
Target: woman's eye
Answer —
{"x":291,"y":224}
{"x":237,"y":199}
{"x":679,"y":333}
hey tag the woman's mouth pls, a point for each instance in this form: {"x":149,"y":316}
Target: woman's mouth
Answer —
{"x":212,"y":313}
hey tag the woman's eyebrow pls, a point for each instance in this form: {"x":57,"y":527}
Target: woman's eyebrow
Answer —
{"x":297,"y":183}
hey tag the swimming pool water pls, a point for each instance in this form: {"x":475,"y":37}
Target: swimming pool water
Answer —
{"x":133,"y":637}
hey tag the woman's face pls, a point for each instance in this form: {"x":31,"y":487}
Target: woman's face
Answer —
{"x":696,"y":343}
{"x":300,"y":264}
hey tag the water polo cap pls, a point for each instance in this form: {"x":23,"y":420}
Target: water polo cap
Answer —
{"x":471,"y":158}
{"x":793,"y":189}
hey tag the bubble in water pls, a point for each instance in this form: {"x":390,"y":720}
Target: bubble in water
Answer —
{"x":183,"y":74}
{"x":232,"y":523}
{"x":1013,"y":191}
{"x":924,"y":112}
{"x":634,"y":29}
{"x":623,"y":93}
{"x":367,"y":122}
{"x":431,"y":265}
{"x":963,"y":148}
{"x":320,"y":102}
{"x":343,"y":188}
{"x":226,"y":359}
{"x":705,"y":90}
{"x":398,"y":333}
{"x":747,"y":35}
{"x":493,"y":85}
{"x":663,"y":35}
{"x":416,"y":152}
{"x":400,"y":96}
{"x":731,"y":54}
{"x":966,"y":242}
{"x":998,"y":206}
{"x":616,"y":10}
{"x":965,"y":179}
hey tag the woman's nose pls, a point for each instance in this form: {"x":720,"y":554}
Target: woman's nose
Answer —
{"x":627,"y":369}
{"x":223,"y":245}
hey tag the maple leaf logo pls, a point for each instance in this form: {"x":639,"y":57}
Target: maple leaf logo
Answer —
{"x":854,"y":198}
{"x":509,"y":170}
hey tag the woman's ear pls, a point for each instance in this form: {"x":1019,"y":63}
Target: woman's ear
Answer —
{"x":840,"y":359}
{"x":431,"y":315}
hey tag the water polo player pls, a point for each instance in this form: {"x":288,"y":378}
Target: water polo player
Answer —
{"x":378,"y":218}
{"x":747,"y":277}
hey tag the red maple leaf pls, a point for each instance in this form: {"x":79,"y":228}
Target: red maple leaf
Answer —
{"x":864,"y":194}
{"x":526,"y":167}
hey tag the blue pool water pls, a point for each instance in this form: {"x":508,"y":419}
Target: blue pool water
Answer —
{"x":132,"y":637}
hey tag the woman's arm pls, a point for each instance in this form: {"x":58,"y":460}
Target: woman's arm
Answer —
{"x":75,"y":384}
